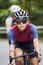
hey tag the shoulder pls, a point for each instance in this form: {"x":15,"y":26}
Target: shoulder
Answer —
{"x":13,"y":27}
{"x":32,"y":25}
{"x":9,"y":18}
{"x":33,"y":28}
{"x":29,"y":25}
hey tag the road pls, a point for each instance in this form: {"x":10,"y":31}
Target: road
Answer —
{"x":4,"y":47}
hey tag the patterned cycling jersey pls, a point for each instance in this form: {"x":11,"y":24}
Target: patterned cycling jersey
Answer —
{"x":29,"y":33}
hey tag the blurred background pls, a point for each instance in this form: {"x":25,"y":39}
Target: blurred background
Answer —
{"x":35,"y":12}
{"x":33,"y":7}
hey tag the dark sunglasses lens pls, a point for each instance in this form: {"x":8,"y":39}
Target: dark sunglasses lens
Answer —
{"x":19,"y":21}
{"x":24,"y":21}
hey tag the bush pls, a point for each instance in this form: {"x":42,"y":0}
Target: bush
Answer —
{"x":36,"y":18}
{"x":40,"y":35}
{"x":3,"y":16}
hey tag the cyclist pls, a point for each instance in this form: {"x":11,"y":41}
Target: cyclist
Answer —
{"x":23,"y":36}
{"x":11,"y":19}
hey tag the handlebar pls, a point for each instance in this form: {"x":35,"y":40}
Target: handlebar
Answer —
{"x":22,"y":55}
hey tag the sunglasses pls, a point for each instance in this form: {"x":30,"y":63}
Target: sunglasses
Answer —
{"x":19,"y":21}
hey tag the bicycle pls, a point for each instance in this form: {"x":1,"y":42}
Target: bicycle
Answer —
{"x":26,"y":61}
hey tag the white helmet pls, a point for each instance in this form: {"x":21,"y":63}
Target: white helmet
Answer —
{"x":14,"y":8}
{"x":21,"y":14}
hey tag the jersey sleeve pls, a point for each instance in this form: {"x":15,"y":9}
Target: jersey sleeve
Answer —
{"x":11,"y":37}
{"x":34,"y":32}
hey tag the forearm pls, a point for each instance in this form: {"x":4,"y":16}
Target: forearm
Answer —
{"x":36,"y":45}
{"x":11,"y":53}
{"x":11,"y":50}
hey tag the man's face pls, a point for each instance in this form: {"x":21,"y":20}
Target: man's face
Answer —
{"x":21,"y":25}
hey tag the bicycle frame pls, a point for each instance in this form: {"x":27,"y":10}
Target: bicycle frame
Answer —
{"x":25,"y":58}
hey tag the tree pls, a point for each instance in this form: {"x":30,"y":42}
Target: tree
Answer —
{"x":4,"y":4}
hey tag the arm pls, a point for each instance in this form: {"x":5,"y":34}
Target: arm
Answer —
{"x":11,"y":44}
{"x":36,"y":45}
{"x":35,"y":38}
{"x":37,"y":48}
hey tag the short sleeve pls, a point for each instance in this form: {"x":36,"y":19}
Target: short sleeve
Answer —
{"x":11,"y":36}
{"x":34,"y":32}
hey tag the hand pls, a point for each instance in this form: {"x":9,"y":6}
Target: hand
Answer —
{"x":39,"y":57}
{"x":8,"y":63}
{"x":12,"y":62}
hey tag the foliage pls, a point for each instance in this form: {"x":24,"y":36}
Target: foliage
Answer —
{"x":35,"y":10}
{"x":3,"y":16}
{"x":36,"y":18}
{"x":40,"y":35}
{"x":33,"y":7}
{"x":4,"y":4}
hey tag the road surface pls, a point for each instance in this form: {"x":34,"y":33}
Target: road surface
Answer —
{"x":4,"y":47}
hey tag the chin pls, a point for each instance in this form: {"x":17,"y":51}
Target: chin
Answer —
{"x":21,"y":30}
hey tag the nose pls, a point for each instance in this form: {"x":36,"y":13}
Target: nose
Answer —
{"x":21,"y":22}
